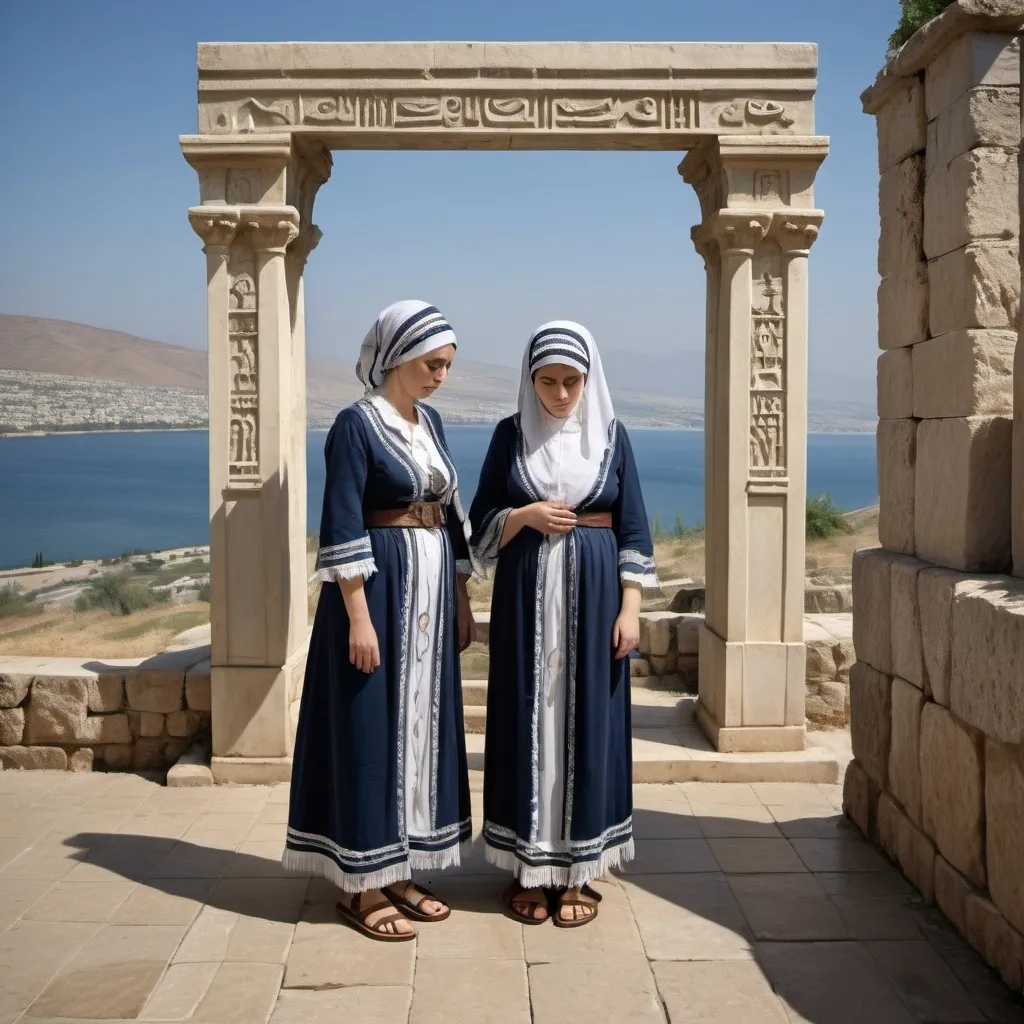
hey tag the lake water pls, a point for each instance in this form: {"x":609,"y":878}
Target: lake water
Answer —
{"x":97,"y":495}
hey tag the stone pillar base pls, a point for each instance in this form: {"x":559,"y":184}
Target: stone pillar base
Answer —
{"x":751,"y":738}
{"x":752,"y":694}
{"x":251,"y":710}
{"x":251,"y":771}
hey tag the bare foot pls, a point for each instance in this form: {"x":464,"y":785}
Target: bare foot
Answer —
{"x":577,"y":912}
{"x":368,"y":899}
{"x":531,"y":904}
{"x":409,"y":891}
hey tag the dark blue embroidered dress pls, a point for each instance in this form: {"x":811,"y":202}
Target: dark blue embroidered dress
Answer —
{"x":379,"y":782}
{"x":588,"y":780}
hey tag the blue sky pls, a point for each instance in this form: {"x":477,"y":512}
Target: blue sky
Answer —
{"x":97,"y":92}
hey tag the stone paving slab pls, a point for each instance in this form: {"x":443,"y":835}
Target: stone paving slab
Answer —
{"x":746,"y":903}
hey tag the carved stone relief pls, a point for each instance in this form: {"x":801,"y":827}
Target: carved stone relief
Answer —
{"x":759,"y":115}
{"x":768,"y":188}
{"x":243,"y":352}
{"x":767,"y":367}
{"x":538,"y":111}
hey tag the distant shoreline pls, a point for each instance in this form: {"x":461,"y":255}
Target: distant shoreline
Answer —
{"x":323,"y":430}
{"x":111,"y":430}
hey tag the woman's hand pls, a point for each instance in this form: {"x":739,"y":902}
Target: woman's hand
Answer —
{"x":625,"y":633}
{"x":467,"y":626}
{"x":363,"y":649}
{"x":549,"y":517}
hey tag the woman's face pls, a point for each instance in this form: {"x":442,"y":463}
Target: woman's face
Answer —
{"x":559,"y":388}
{"x":420,"y":378}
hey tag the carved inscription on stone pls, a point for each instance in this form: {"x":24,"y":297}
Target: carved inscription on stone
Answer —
{"x":645,"y":112}
{"x":767,"y":369}
{"x":243,"y":352}
{"x":538,"y":111}
{"x":757,"y":114}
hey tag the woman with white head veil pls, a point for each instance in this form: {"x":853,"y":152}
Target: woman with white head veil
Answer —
{"x":560,"y":513}
{"x":379,"y":779}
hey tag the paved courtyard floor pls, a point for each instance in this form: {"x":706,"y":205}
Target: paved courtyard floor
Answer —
{"x":121,"y":899}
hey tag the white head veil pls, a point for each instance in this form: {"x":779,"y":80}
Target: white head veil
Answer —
{"x":564,"y":456}
{"x":405,"y":330}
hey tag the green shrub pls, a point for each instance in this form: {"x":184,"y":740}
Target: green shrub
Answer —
{"x":915,"y":14}
{"x":204,"y":592}
{"x":14,"y":602}
{"x":117,"y":594}
{"x":825,"y":519}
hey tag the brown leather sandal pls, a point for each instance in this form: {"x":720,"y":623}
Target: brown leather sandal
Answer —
{"x":511,"y":896}
{"x":356,"y":916}
{"x":411,"y":907}
{"x":575,"y":922}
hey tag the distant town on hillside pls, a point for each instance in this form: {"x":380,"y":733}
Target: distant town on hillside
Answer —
{"x":62,"y":376}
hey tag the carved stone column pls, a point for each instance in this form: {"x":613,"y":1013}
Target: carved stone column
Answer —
{"x":758,"y":223}
{"x":257,"y":443}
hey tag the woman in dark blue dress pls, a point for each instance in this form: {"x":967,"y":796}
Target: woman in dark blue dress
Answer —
{"x":379,"y":782}
{"x":560,"y":513}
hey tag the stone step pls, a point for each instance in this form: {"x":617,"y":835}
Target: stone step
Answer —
{"x":648,"y":710}
{"x":669,"y":746}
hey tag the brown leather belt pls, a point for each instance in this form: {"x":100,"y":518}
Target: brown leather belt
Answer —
{"x":424,"y":515}
{"x":601,"y":520}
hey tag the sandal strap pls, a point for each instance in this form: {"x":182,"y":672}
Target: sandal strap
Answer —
{"x":414,"y":894}
{"x":592,"y":907}
{"x":364,"y":913}
{"x":378,"y":926}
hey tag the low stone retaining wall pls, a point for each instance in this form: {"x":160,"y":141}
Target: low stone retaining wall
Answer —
{"x":937,"y":701}
{"x":65,"y":714}
{"x":826,"y":591}
{"x":669,"y":645}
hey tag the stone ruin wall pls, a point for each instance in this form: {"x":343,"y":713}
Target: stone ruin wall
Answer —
{"x":937,"y":692}
{"x":62,"y":715}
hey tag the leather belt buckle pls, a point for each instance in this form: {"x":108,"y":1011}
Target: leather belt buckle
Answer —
{"x":429,"y":513}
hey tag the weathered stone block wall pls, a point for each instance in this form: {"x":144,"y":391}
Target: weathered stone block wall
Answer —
{"x":78,"y":716}
{"x":937,"y":693}
{"x":669,"y":647}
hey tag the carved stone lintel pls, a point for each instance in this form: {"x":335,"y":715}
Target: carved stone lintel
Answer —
{"x":796,"y":231}
{"x":217,"y":228}
{"x":739,"y":231}
{"x":305,"y":242}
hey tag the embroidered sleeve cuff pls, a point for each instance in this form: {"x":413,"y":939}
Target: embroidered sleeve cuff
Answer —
{"x":488,"y":539}
{"x":636,"y":567}
{"x":345,"y":561}
{"x":365,"y":567}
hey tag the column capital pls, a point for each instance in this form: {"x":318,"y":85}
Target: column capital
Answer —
{"x":704,"y":242}
{"x":217,"y":227}
{"x":305,"y":242}
{"x":271,"y":228}
{"x":738,"y":231}
{"x":796,"y":230}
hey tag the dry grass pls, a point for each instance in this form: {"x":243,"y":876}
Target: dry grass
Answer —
{"x":62,"y":632}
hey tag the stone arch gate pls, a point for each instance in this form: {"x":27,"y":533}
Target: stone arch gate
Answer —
{"x":269,"y":115}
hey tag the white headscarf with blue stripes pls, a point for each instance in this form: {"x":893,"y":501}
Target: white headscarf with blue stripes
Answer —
{"x":564,"y":456}
{"x":405,"y":330}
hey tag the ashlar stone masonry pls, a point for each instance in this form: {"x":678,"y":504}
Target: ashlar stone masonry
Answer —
{"x":937,"y":695}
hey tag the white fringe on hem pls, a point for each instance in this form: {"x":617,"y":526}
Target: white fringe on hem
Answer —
{"x":553,"y":876}
{"x":309,"y":862}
